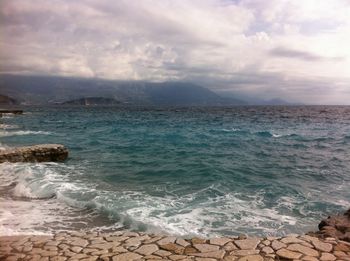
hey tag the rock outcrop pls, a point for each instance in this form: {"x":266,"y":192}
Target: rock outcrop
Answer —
{"x":36,"y":153}
{"x":12,"y":111}
{"x":337,"y":226}
{"x":6,"y":100}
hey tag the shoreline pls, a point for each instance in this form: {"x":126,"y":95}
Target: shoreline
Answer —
{"x":126,"y":245}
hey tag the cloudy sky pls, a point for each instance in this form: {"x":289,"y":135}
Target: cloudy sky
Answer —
{"x":294,"y":49}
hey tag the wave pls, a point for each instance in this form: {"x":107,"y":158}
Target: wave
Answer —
{"x":264,"y":133}
{"x":20,"y":133}
{"x":194,"y":214}
{"x":8,"y":127}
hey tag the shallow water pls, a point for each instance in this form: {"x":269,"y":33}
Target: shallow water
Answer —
{"x":183,"y":171}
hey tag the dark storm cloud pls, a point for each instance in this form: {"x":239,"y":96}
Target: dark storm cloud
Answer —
{"x":216,"y":43}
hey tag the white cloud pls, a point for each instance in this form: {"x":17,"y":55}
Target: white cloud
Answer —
{"x":262,"y":47}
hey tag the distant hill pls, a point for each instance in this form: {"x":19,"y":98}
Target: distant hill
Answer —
{"x":6,"y":100}
{"x":53,"y":90}
{"x":92,"y":101}
{"x":253,"y":100}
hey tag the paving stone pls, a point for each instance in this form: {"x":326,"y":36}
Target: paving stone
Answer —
{"x":342,"y":247}
{"x":230,"y":246}
{"x":303,"y":249}
{"x":339,"y":253}
{"x":244,"y":252}
{"x":147,"y":249}
{"x":48,"y":253}
{"x":117,"y":239}
{"x":309,"y":258}
{"x":177,"y":257}
{"x":173,"y":248}
{"x":206,"y":248}
{"x":230,"y":258}
{"x":271,"y":238}
{"x":291,"y":240}
{"x":266,"y":242}
{"x":127,"y":257}
{"x":276,"y":245}
{"x":260,"y":246}
{"x":79,"y":242}
{"x":106,"y":247}
{"x":152,"y":257}
{"x":287,"y":254}
{"x":247,"y":243}
{"x":58,"y":258}
{"x":152,"y":240}
{"x":182,"y":242}
{"x":132,"y":242}
{"x":103,"y":245}
{"x":76,"y":249}
{"x":90,"y":258}
{"x":27,"y":248}
{"x":220,"y":241}
{"x":327,"y":257}
{"x":189,"y":250}
{"x":130,"y":234}
{"x":215,"y":254}
{"x":251,"y":258}
{"x":119,"y":249}
{"x":267,"y":250}
{"x":100,"y":252}
{"x":324,"y":247}
{"x":308,"y":238}
{"x":162,"y":253}
{"x":166,"y":240}
{"x":197,"y":240}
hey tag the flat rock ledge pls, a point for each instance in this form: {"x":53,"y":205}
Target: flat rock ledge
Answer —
{"x":125,"y":245}
{"x":10,"y":111}
{"x":36,"y":153}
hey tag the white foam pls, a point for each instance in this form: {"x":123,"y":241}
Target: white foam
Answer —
{"x":231,"y":130}
{"x":29,"y":207}
{"x":20,"y":133}
{"x":8,"y":127}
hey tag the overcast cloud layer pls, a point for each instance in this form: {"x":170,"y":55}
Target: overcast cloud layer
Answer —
{"x":293,"y":49}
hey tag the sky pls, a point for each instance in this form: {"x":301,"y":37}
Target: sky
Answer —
{"x":297,"y":50}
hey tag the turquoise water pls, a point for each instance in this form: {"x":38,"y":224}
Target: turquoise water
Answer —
{"x":183,"y":171}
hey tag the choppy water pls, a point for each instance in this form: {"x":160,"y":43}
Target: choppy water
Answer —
{"x":204,"y":171}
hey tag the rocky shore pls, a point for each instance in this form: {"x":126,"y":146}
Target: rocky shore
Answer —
{"x":120,"y":246}
{"x":36,"y":153}
{"x":337,"y":226}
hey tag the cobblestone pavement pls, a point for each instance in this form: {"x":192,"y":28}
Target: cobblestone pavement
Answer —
{"x":120,"y":246}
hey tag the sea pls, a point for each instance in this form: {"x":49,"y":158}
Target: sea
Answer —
{"x":194,"y":171}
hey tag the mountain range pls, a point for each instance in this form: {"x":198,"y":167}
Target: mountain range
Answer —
{"x":39,"y":90}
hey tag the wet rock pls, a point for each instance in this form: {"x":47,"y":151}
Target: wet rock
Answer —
{"x":337,"y":226}
{"x":36,"y":153}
